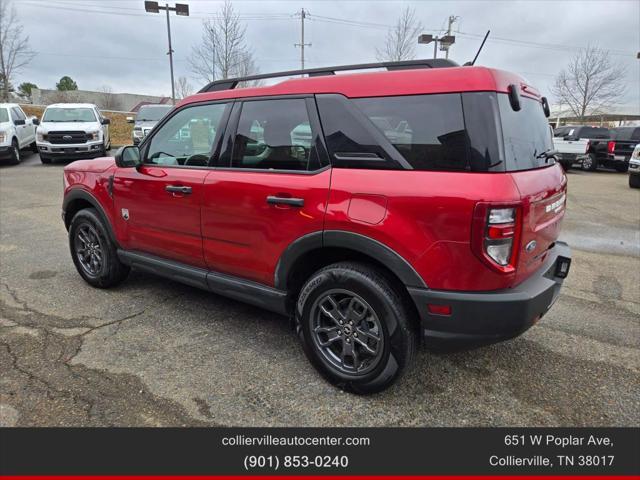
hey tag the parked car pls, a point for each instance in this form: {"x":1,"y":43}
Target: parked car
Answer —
{"x":624,"y":140}
{"x":147,"y":117}
{"x":370,"y":246}
{"x":72,"y":130}
{"x":17,"y":132}
{"x":569,"y":152}
{"x":634,"y":168}
{"x":601,"y":145}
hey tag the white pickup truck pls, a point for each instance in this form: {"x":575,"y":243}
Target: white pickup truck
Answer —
{"x":17,"y":131}
{"x":569,"y":151}
{"x":72,"y":131}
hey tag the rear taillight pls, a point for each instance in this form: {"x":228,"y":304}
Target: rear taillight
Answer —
{"x":611,"y":146}
{"x":496,"y":235}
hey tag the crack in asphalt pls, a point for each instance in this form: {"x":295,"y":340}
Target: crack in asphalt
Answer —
{"x":56,"y":392}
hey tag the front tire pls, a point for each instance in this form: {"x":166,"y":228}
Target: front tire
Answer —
{"x":634,"y":180}
{"x":15,"y":153}
{"x":622,"y":167}
{"x":45,"y":160}
{"x":93,"y":252}
{"x":590,"y":163}
{"x":355,"y":328}
{"x":34,"y":147}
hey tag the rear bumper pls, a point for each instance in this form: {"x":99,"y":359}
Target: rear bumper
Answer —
{"x":486,"y":317}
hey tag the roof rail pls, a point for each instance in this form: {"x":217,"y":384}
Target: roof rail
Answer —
{"x":231,"y":83}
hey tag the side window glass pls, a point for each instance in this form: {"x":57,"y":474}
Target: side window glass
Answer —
{"x":14,"y":114}
{"x":274,"y":135}
{"x":350,"y":143}
{"x":187,"y":138}
{"x":428,"y":130}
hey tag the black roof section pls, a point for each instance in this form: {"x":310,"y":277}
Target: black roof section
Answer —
{"x":231,"y":83}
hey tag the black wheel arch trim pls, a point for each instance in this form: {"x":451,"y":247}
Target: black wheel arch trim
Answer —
{"x":80,"y":194}
{"x":350,"y":240}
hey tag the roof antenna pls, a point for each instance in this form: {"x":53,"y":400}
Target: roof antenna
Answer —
{"x":470,"y":64}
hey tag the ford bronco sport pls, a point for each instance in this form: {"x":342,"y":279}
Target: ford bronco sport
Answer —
{"x":378,"y":209}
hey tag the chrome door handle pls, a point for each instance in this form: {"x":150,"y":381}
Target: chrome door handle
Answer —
{"x":178,"y":189}
{"x":294,"y":202}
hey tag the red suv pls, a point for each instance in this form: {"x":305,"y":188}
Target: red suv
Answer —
{"x":378,"y":209}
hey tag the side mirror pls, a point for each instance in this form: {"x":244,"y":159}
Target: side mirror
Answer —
{"x":105,"y":121}
{"x":19,"y":122}
{"x":130,"y":120}
{"x":35,"y":121}
{"x":545,"y":107}
{"x":128,"y":157}
{"x":514,"y":97}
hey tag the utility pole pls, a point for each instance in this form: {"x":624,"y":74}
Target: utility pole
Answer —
{"x":173,"y":85}
{"x":180,"y":9}
{"x":452,"y":19}
{"x":302,"y":15}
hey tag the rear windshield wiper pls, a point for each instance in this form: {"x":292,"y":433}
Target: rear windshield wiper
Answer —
{"x":547,"y":154}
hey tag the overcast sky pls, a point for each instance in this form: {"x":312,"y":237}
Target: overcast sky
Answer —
{"x":115,"y":43}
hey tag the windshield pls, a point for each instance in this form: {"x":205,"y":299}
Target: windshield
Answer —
{"x":4,"y":116}
{"x":57,"y":114}
{"x":526,"y":134}
{"x":152,"y":114}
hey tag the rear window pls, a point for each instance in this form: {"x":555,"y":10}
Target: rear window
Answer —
{"x":626,"y":133}
{"x":593,"y":132}
{"x":526,"y":134}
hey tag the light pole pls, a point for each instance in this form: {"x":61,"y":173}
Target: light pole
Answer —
{"x":445,"y":41}
{"x":180,"y":9}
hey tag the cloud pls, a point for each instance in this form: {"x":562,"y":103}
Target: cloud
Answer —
{"x":114,"y":42}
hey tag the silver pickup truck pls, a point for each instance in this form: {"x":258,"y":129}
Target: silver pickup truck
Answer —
{"x":147,"y":118}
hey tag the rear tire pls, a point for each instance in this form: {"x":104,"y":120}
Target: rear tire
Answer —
{"x":355,"y":328}
{"x":34,"y":147}
{"x":590,"y":163}
{"x":93,"y":253}
{"x":634,"y":180}
{"x":15,"y":153}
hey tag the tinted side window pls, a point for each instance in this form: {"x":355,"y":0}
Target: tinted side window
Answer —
{"x":626,"y":133}
{"x":274,"y":135}
{"x":428,"y":130}
{"x":352,"y":141}
{"x":593,"y":132}
{"x":187,"y":138}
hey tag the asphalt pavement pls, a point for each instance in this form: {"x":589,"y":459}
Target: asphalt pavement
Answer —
{"x":152,"y":352}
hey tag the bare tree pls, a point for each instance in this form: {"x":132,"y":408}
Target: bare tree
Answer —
{"x":401,"y":39}
{"x":107,"y":99}
{"x":591,"y":82}
{"x":15,"y":52}
{"x":222,"y":53}
{"x":183,"y":87}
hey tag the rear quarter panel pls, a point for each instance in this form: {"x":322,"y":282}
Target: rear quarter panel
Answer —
{"x":424,"y":216}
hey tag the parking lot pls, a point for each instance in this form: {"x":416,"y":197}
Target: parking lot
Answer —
{"x":156,"y":353}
